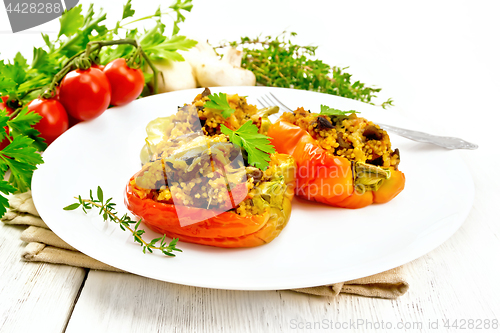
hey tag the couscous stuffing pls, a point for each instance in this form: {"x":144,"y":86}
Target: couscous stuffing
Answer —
{"x":188,"y":161}
{"x":352,"y":137}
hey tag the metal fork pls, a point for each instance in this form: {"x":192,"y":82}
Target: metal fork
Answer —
{"x":442,"y":141}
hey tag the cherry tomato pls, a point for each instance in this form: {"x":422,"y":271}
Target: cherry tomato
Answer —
{"x":85,"y":94}
{"x":72,"y":121}
{"x":54,"y":120}
{"x":99,"y":67}
{"x":126,"y":83}
{"x":57,"y":92}
{"x":3,"y":106}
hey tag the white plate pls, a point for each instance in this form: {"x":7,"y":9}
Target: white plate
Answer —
{"x":320,"y":245}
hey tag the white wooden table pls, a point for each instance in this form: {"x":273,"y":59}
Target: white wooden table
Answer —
{"x":437,"y":60}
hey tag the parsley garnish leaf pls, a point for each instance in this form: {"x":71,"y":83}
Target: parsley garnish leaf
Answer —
{"x":257,"y":146}
{"x":219,"y":102}
{"x":328,"y":111}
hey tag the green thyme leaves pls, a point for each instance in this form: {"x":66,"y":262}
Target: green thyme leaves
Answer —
{"x":279,"y":62}
{"x":108,"y":212}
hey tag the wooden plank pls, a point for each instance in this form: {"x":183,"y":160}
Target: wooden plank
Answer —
{"x":129,"y":303}
{"x":34,"y":296}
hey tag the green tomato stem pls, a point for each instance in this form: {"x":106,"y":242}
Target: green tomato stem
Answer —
{"x":155,"y":72}
{"x":131,"y":62}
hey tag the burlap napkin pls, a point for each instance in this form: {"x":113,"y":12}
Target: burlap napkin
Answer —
{"x":45,"y":246}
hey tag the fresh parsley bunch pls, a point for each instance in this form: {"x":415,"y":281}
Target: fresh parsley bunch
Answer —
{"x":22,"y":82}
{"x":20,"y":155}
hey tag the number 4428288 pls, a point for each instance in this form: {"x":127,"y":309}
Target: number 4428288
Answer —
{"x":32,"y":8}
{"x":469,"y":324}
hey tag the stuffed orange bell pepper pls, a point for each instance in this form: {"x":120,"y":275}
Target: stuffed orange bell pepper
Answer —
{"x":253,"y":212}
{"x":198,"y":186}
{"x":342,"y":160}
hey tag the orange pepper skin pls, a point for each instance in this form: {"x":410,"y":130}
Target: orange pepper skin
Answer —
{"x":271,"y":229}
{"x":320,"y":176}
{"x":357,"y":200}
{"x":390,"y":188}
{"x":324,"y":177}
{"x":226,"y":229}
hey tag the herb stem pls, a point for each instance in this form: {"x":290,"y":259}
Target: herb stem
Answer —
{"x":107,"y":210}
{"x":146,"y":18}
{"x":116,"y":219}
{"x":277,"y":61}
{"x":113,"y":215}
{"x":155,"y":71}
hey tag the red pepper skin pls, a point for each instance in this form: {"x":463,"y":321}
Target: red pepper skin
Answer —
{"x":323,"y":177}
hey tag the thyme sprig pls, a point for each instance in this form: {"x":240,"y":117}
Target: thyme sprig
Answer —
{"x":279,"y":62}
{"x":108,"y":212}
